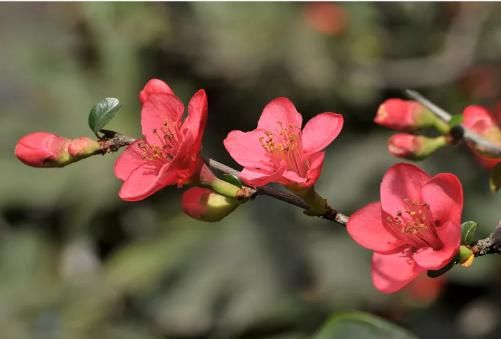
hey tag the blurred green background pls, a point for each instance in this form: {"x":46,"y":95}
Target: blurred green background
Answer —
{"x":77,"y":262}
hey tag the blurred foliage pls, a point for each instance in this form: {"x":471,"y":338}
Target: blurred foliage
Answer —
{"x":76,"y":262}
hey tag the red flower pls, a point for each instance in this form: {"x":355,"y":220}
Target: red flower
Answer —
{"x":480,"y":121}
{"x":327,"y":18}
{"x":278,"y":151}
{"x":42,"y":149}
{"x":169,"y":153}
{"x":414,"y":228}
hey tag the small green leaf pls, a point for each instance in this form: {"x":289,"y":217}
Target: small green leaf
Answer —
{"x":102,"y":113}
{"x":495,"y":178}
{"x":468,"y":229}
{"x":456,"y":120}
{"x":232,"y":179}
{"x":445,"y":269}
{"x":359,"y":325}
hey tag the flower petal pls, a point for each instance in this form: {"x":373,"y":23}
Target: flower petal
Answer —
{"x":320,"y":131}
{"x":154,"y":86}
{"x":450,"y":235}
{"x":365,"y":227}
{"x":392,"y":272}
{"x":158,"y":110}
{"x":128,"y":161}
{"x":315,"y":164}
{"x":140,"y":184}
{"x":402,"y":181}
{"x":477,"y":119}
{"x":444,"y":194}
{"x":197,"y":118}
{"x":257,"y":178}
{"x":278,"y":113}
{"x":246,"y":149}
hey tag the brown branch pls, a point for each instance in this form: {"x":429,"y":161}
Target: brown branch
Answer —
{"x":278,"y":194}
{"x":459,"y":132}
{"x":489,"y":245}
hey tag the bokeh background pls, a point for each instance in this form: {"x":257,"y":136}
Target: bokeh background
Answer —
{"x":76,"y":262}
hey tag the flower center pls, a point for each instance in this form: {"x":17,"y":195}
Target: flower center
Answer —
{"x":285,"y":148}
{"x":167,"y":145}
{"x":414,"y":225}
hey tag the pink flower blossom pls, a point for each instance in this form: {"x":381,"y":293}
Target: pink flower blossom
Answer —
{"x":42,"y":149}
{"x":278,"y":151}
{"x":414,"y":228}
{"x":480,"y":121}
{"x":169,"y":153}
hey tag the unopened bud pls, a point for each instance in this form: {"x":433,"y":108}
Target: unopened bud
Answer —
{"x":407,"y":115}
{"x":465,"y":256}
{"x":42,"y":149}
{"x":480,"y":121}
{"x":207,"y":205}
{"x":414,"y":147}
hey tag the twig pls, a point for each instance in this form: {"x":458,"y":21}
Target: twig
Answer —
{"x":460,"y":132}
{"x":491,"y":244}
{"x":278,"y":194}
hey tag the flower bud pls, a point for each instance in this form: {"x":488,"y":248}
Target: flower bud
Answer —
{"x":207,"y":205}
{"x":42,"y":149}
{"x":480,"y":121}
{"x":407,"y":115}
{"x":83,"y":147}
{"x":414,"y":147}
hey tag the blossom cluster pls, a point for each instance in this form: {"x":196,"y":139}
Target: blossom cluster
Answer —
{"x":414,"y":228}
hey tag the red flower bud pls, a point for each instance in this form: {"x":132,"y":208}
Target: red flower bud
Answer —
{"x":406,"y":115}
{"x":83,"y":147}
{"x":414,"y":147}
{"x":42,"y":149}
{"x":206,"y":205}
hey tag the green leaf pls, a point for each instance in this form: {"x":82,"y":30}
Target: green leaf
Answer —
{"x":468,"y":229}
{"x":102,"y":113}
{"x":445,"y":269}
{"x":456,"y":120}
{"x":359,"y":325}
{"x":495,"y":178}
{"x":232,"y":179}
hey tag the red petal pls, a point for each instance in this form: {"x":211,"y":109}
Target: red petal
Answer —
{"x":157,"y":110}
{"x":402,"y":181}
{"x":259,"y":178}
{"x":477,"y":119}
{"x":278,"y":113}
{"x":246,"y":149}
{"x":366,"y":228}
{"x":128,"y":161}
{"x":320,"y":131}
{"x":316,"y":162}
{"x":450,"y":235}
{"x":154,"y":86}
{"x":392,"y":272}
{"x":444,"y":194}
{"x":197,"y":118}
{"x":140,"y":184}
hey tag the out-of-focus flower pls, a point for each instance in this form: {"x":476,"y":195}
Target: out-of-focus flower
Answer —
{"x":278,"y":151}
{"x":207,"y":205}
{"x":424,"y":290}
{"x":43,"y":149}
{"x":414,"y":147}
{"x":326,"y":17}
{"x":414,"y":228}
{"x":169,"y":153}
{"x":479,"y":120}
{"x":406,"y":115}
